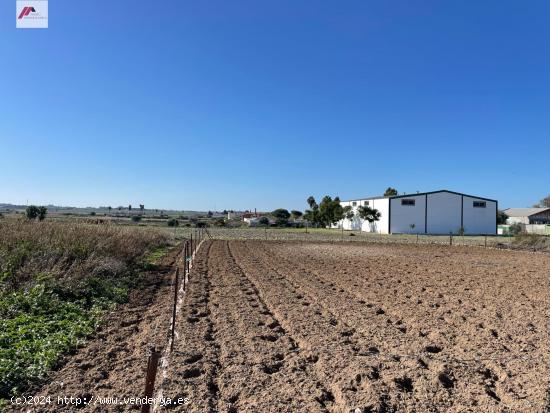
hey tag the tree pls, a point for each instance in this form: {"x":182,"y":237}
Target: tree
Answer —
{"x":129,"y":207}
{"x":312,"y":214}
{"x":296,"y":214}
{"x":136,"y":218}
{"x":348,"y":213}
{"x":369,"y":214}
{"x":330,"y":211}
{"x":544,"y":203}
{"x":264,"y":221}
{"x":210,"y":214}
{"x":31,"y":212}
{"x":501,"y":217}
{"x":141,"y":208}
{"x":281,"y":216}
{"x":42,"y":211}
{"x":327,"y":213}
{"x":390,"y":192}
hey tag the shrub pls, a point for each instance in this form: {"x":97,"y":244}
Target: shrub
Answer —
{"x":173,"y":222}
{"x":515,"y":229}
{"x":33,"y":212}
{"x":92,"y":213}
{"x":136,"y":218}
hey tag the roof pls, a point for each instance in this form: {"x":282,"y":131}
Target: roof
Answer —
{"x":524,"y":212}
{"x":366,"y":198}
{"x":423,"y":193}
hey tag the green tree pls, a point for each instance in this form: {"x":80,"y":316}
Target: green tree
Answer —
{"x":281,"y":216}
{"x":390,"y":192}
{"x":296,"y":214}
{"x":264,"y":221}
{"x":349,"y":213}
{"x":501,"y":217}
{"x":31,"y":212}
{"x":330,"y":211}
{"x":42,"y":211}
{"x":312,"y":214}
{"x":369,"y":214}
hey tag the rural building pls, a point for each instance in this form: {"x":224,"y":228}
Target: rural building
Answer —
{"x":437,"y":212}
{"x":528,"y":216}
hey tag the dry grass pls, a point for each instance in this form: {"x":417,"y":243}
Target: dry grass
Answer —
{"x":67,"y":250}
{"x":533,"y":242}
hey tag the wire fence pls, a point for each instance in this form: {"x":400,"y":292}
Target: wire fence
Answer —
{"x":182,"y":275}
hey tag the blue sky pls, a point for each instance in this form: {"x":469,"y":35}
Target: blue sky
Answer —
{"x":247,"y":104}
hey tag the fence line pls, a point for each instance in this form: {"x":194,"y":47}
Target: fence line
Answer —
{"x":185,"y":259}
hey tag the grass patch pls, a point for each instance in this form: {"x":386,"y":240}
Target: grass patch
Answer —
{"x":153,"y":258}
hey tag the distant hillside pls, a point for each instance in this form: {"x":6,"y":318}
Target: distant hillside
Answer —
{"x":101,"y":209}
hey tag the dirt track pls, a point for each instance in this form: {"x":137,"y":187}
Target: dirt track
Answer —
{"x":318,"y":327}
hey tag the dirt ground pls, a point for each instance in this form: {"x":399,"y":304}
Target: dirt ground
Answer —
{"x":342,"y":327}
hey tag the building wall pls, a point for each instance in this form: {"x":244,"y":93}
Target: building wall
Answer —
{"x":479,"y":220}
{"x":402,"y":216}
{"x":541,"y":218}
{"x":442,"y":213}
{"x":357,"y":223}
{"x":517,"y":220}
{"x":381,"y":226}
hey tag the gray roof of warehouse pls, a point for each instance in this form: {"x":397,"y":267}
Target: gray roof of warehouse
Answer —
{"x":524,"y":212}
{"x":421,"y":193}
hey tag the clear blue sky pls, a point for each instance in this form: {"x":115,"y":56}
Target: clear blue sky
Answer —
{"x":244,"y":104}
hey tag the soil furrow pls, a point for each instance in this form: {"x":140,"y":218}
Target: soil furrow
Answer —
{"x":258,"y":369}
{"x":352,"y":373}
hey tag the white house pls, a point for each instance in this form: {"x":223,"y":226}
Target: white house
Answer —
{"x":437,"y":212}
{"x":528,"y":216}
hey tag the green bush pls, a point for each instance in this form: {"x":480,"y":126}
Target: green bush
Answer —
{"x":515,"y":229}
{"x":173,"y":222}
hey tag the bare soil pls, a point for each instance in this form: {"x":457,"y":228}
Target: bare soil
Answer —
{"x":339,"y":327}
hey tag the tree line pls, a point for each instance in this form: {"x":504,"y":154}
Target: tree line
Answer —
{"x":330,"y":211}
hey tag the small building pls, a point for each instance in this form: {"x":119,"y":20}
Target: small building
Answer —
{"x":437,"y":212}
{"x":527,"y":216}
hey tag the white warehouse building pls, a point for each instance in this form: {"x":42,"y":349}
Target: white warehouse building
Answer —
{"x":437,"y":212}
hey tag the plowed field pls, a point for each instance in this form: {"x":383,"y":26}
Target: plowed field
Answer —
{"x":346,"y":327}
{"x":273,"y":327}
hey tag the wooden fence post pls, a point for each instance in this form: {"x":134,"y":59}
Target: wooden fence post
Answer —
{"x":176,"y":282}
{"x":152,"y":365}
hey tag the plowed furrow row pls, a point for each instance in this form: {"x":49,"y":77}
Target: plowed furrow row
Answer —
{"x":341,"y":358}
{"x":258,"y":366}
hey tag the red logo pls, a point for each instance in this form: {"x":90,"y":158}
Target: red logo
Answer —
{"x":26,"y":11}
